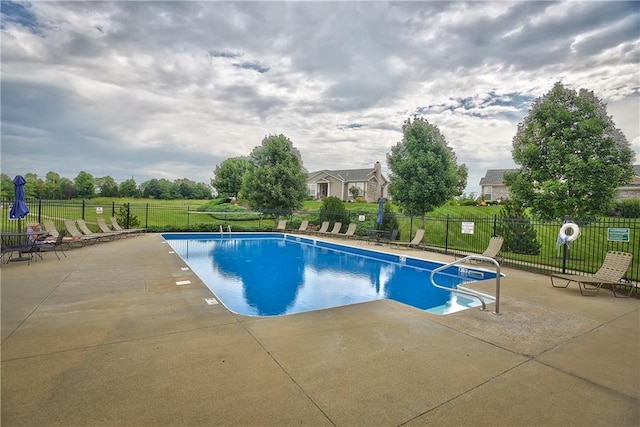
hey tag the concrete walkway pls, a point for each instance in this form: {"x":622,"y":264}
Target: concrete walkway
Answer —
{"x":106,"y":337}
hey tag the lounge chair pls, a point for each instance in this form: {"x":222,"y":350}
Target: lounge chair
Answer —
{"x":393,"y":238}
{"x":282,"y":225}
{"x":416,"y":242}
{"x":70,"y":225}
{"x":492,"y":251}
{"x":303,"y":227}
{"x":48,"y":246}
{"x":50,"y":227}
{"x":117,"y":227}
{"x":350,"y":231}
{"x":104,"y":228}
{"x":611,"y":272}
{"x":324,"y":227}
{"x":82,"y":224}
{"x":336,"y":228}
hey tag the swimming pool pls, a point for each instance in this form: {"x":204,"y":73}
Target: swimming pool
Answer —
{"x":271,"y":274}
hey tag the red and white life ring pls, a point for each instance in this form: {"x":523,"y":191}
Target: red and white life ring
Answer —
{"x":569,"y":237}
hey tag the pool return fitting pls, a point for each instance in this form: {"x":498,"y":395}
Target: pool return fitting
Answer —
{"x":466,"y":291}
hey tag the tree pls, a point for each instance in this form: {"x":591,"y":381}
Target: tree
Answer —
{"x":572,"y":156}
{"x":463,"y":175}
{"x":333,"y":210}
{"x":515,"y":228}
{"x":107,"y":186}
{"x":276,"y":179}
{"x":129,"y":188}
{"x":424,"y":174}
{"x":85,"y":185}
{"x":230,"y":176}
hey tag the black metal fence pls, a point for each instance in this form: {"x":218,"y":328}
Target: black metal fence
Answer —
{"x":528,"y":244}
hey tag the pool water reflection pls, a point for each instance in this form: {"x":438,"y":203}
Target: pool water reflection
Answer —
{"x":270,"y":274}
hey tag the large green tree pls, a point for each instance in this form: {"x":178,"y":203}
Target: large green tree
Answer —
{"x":424,"y":172}
{"x":276,"y":180}
{"x":107,"y":186}
{"x":230,"y":176}
{"x":85,"y":185}
{"x":571,"y":156}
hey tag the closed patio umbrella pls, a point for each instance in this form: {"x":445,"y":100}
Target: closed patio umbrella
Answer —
{"x":380,"y":211}
{"x":19,"y":208}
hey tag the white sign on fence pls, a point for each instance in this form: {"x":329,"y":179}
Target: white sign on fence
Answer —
{"x":99,"y":210}
{"x":360,"y":218}
{"x":467,"y":227}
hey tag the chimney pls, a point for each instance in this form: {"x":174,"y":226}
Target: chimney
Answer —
{"x":378,"y":171}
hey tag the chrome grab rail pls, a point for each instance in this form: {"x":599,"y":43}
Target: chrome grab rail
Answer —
{"x":470,"y":292}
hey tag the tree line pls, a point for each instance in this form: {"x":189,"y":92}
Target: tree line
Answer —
{"x":86,"y":186}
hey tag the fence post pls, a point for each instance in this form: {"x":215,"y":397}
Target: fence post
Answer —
{"x":128,"y":214}
{"x":83,"y":206}
{"x":446,"y":236}
{"x":495,"y":225}
{"x":39,"y":210}
{"x":146,"y":215}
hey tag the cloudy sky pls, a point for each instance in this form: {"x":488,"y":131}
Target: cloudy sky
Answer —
{"x":171,"y":89}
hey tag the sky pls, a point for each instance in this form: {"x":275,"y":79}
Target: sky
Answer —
{"x":142,"y":89}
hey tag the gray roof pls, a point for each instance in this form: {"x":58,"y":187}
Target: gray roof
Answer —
{"x":349,"y":175}
{"x":496,"y":176}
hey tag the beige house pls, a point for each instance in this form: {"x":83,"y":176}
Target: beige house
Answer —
{"x":492,"y":185}
{"x":371,"y":184}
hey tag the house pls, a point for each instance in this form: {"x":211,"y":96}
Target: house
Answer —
{"x":492,"y":185}
{"x":632,"y":189}
{"x":371,"y":184}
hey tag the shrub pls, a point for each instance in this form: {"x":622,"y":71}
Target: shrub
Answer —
{"x":516,"y":230}
{"x":628,"y":208}
{"x":333,"y":210}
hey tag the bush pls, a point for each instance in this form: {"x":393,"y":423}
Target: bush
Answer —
{"x":333,"y":210}
{"x":516,"y":230}
{"x":628,"y":208}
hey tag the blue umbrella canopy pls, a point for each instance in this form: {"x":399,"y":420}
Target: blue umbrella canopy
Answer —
{"x":19,"y":208}
{"x":380,"y":211}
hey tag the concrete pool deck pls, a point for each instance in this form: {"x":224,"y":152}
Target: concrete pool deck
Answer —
{"x":106,"y":337}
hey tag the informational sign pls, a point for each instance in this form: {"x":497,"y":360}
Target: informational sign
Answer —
{"x":467,"y":227}
{"x":99,"y":210}
{"x":618,"y":234}
{"x":361,"y":218}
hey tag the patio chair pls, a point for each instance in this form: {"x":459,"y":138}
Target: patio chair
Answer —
{"x":417,"y":240}
{"x":70,"y":225}
{"x":50,"y":227}
{"x":54,"y":246}
{"x":117,"y":227}
{"x":336,"y":228}
{"x":104,"y":228}
{"x":324,"y":227}
{"x":350,"y":231}
{"x":393,"y":237}
{"x":282,"y":225}
{"x":303,"y":227}
{"x":82,"y":224}
{"x":492,"y":251}
{"x":611,"y":272}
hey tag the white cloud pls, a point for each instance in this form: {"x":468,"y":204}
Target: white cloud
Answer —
{"x":170,"y":89}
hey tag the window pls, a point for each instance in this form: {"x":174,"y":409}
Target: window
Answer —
{"x":311,"y":188}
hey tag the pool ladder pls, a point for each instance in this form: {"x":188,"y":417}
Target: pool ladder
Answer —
{"x":470,"y":292}
{"x":222,"y":229}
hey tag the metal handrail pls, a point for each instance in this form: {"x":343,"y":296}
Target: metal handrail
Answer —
{"x":470,"y":292}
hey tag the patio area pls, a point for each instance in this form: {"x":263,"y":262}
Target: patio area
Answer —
{"x":105,"y":336}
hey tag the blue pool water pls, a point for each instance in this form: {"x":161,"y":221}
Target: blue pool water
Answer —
{"x":270,"y":274}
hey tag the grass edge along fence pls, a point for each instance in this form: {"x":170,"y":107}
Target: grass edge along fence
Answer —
{"x":529,"y":244}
